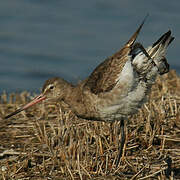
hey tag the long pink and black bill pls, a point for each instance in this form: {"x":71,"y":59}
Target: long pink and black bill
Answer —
{"x":36,"y":100}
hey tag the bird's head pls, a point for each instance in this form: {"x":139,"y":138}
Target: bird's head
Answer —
{"x":53,"y":89}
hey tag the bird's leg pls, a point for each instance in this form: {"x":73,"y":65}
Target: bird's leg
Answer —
{"x":141,"y":60}
{"x":159,"y":62}
{"x":140,"y":46}
{"x":120,"y":143}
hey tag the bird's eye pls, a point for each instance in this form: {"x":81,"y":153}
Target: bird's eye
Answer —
{"x":51,"y":87}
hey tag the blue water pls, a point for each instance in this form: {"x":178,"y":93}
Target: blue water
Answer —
{"x":40,"y":39}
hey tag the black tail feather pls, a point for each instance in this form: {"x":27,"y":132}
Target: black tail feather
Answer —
{"x":164,"y":38}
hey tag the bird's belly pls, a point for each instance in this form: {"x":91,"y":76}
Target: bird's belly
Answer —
{"x":125,"y":106}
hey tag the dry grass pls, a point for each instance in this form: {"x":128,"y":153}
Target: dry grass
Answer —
{"x":49,"y":142}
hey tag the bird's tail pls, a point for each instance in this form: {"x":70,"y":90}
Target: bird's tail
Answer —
{"x":158,"y":52}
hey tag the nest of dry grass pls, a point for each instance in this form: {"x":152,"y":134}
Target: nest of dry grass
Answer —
{"x":49,"y":142}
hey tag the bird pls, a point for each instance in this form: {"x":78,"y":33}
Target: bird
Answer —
{"x":117,"y":88}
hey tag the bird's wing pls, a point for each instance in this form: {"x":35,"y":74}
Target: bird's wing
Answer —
{"x":105,"y":76}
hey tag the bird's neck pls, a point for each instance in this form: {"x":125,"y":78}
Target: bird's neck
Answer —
{"x":74,"y":98}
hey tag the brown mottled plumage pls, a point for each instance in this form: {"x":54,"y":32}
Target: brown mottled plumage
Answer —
{"x":104,"y":76}
{"x":116,"y":88}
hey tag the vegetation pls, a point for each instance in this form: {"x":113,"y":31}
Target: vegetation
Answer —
{"x":49,"y":142}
